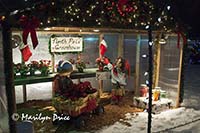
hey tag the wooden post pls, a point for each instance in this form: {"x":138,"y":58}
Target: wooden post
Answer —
{"x":157,"y":65}
{"x":121,"y":45}
{"x":53,"y":62}
{"x":79,"y":60}
{"x":100,"y":81}
{"x":24,"y":93}
{"x":8,"y":71}
{"x":137,"y":65}
{"x":179,"y":77}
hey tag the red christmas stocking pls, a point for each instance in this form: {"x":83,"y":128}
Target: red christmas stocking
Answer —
{"x":26,"y":53}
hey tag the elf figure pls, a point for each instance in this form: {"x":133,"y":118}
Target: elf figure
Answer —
{"x":62,"y":82}
{"x":118,"y":79}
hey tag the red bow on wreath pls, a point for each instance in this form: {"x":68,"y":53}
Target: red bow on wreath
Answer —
{"x":29,"y":24}
{"x":124,"y":6}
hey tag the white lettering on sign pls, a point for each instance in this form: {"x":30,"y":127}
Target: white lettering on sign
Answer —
{"x":66,"y":44}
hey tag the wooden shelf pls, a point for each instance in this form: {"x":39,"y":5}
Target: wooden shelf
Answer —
{"x":88,"y":73}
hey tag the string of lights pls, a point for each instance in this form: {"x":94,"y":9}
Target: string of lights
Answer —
{"x":100,"y":13}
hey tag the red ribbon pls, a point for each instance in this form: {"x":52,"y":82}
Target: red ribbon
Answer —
{"x":29,"y":24}
{"x":180,"y":34}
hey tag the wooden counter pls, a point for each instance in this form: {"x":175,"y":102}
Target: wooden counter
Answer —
{"x":88,"y":73}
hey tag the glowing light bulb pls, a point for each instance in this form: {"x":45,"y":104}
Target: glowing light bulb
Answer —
{"x":146,"y":73}
{"x":147,"y":27}
{"x":144,"y":56}
{"x":159,"y":19}
{"x":150,"y":43}
{"x":168,"y":8}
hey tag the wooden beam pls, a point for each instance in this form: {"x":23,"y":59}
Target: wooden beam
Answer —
{"x":179,"y":77}
{"x":100,"y":81}
{"x":121,"y":45}
{"x":157,"y":64}
{"x":137,"y":65}
{"x":53,"y":62}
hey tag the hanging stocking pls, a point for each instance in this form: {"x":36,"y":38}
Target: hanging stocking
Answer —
{"x":26,"y":53}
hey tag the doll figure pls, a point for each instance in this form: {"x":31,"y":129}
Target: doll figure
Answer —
{"x":62,"y":82}
{"x":118,"y":79}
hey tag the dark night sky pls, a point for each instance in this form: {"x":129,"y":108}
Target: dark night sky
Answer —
{"x":187,"y":12}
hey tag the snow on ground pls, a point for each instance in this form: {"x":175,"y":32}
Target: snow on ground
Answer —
{"x":170,"y":121}
{"x":190,"y":128}
{"x":162,"y":122}
{"x":192,"y":86}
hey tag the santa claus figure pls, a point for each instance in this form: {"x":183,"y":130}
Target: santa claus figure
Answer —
{"x":118,"y":72}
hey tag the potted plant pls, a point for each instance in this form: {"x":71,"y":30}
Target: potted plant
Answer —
{"x":23,"y":69}
{"x":33,"y":66}
{"x":16,"y":69}
{"x":79,"y":64}
{"x":44,"y":67}
{"x":101,"y":62}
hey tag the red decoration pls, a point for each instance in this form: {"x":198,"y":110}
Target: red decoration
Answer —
{"x":128,"y":68}
{"x":91,"y":105}
{"x":26,"y":53}
{"x":124,"y":6}
{"x":180,"y":34}
{"x":103,"y":47}
{"x":101,"y":62}
{"x":29,"y":24}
